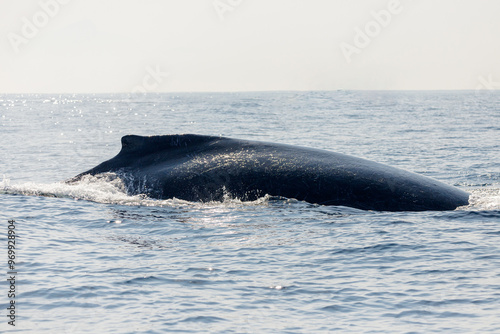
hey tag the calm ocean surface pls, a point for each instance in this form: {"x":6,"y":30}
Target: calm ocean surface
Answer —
{"x":89,"y":258}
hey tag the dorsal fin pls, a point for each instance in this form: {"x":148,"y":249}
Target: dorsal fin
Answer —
{"x":147,"y":144}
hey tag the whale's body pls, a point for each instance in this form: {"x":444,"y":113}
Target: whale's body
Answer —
{"x":206,"y":168}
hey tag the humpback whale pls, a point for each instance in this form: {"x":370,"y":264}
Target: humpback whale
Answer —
{"x":208,"y":168}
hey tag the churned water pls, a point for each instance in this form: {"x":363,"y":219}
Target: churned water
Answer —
{"x":90,"y":258}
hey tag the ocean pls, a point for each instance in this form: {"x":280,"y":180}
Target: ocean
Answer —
{"x":90,"y":258}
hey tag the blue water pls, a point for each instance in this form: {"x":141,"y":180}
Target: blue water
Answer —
{"x":93,"y":259}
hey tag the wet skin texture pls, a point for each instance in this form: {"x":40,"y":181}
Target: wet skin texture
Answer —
{"x":206,"y":168}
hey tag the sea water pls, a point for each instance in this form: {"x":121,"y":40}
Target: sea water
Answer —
{"x":90,"y":258}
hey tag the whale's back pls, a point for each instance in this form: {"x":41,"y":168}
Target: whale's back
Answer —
{"x":205,"y":168}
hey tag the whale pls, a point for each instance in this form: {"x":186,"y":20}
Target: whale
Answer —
{"x":201,"y":168}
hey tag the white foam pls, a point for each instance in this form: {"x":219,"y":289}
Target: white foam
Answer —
{"x":483,"y":199}
{"x":5,"y":182}
{"x":109,"y":189}
{"x":90,"y":189}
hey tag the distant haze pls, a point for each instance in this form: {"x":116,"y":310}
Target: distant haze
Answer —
{"x":89,"y":46}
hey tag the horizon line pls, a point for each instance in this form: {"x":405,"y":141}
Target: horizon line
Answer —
{"x":253,"y":91}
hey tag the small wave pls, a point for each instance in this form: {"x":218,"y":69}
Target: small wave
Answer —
{"x":203,"y":319}
{"x":426,"y":313}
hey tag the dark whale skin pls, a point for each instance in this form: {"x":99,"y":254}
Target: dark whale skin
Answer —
{"x":206,"y":168}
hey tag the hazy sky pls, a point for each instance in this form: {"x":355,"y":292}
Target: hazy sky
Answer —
{"x":86,"y":46}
